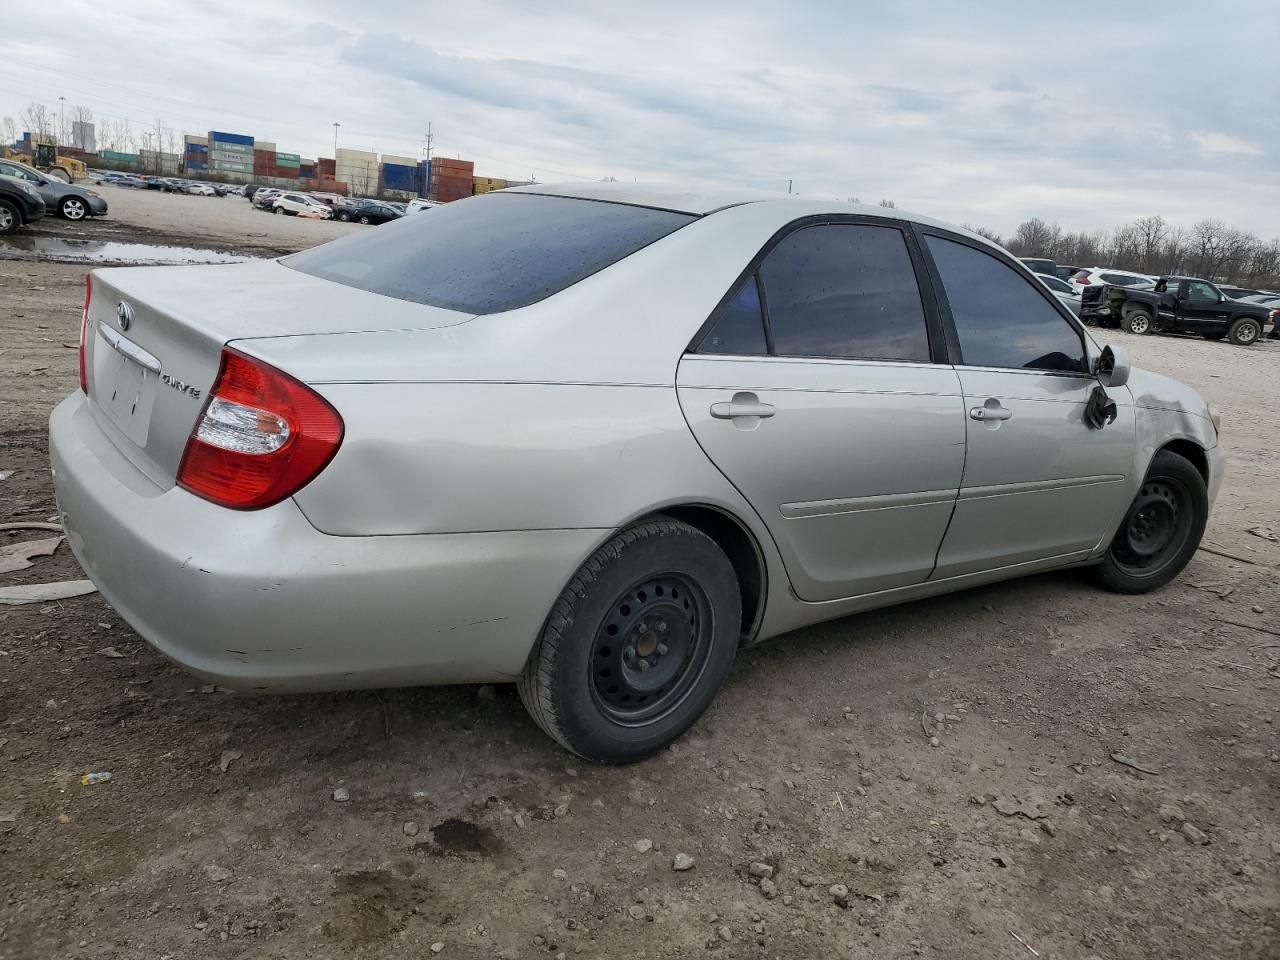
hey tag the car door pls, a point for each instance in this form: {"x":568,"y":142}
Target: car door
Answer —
{"x":819,"y":388}
{"x":1038,"y":482}
{"x":1201,"y":306}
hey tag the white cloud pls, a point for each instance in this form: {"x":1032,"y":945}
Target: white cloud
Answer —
{"x":987,"y":114}
{"x":1225,"y":143}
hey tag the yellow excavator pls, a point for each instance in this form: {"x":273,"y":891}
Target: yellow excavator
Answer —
{"x":44,"y":156}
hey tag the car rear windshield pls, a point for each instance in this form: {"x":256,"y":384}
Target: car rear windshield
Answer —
{"x":489,"y":254}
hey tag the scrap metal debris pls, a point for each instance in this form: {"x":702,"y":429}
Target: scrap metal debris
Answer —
{"x":45,"y":592}
{"x":17,"y":556}
{"x":1134,"y":764}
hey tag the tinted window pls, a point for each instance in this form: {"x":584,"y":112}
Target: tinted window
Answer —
{"x":1053,"y":283}
{"x":1002,"y":320}
{"x":737,"y":326}
{"x":1199,"y":290}
{"x":844,"y":290}
{"x":489,"y":253}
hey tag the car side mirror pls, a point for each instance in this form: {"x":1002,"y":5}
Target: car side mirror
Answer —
{"x":1112,"y":366}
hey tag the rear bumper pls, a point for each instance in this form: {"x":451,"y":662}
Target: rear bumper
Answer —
{"x":261,"y":600}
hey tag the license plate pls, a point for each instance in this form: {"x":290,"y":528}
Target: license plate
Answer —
{"x":124,"y":378}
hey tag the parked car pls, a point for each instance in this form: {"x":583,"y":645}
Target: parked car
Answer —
{"x":1094,"y":276}
{"x":371,"y":211}
{"x":337,"y":203}
{"x":202,"y":190}
{"x":20,"y":204}
{"x":263,"y":197}
{"x":597,"y":438}
{"x":1040,"y":265}
{"x":1062,"y":290}
{"x":132,"y":180}
{"x":67,"y":200}
{"x":1065,"y":272}
{"x":299,"y":203}
{"x":1234,"y":292}
{"x":420,"y":204}
{"x":1179,"y":305}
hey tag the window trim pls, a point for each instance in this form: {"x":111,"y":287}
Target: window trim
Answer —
{"x":935,"y":329}
{"x":944,"y":305}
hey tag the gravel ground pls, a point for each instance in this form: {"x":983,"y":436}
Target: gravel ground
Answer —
{"x":402,"y":822}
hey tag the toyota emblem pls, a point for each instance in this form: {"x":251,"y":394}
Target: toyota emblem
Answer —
{"x":124,"y":313}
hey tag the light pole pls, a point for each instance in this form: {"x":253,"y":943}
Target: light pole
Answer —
{"x":336,"y":125}
{"x":62,"y":119}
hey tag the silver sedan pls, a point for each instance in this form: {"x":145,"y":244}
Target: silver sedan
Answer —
{"x":594,"y":440}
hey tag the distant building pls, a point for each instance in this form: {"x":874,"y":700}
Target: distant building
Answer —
{"x":83,"y":137}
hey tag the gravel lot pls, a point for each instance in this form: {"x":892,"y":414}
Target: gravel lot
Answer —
{"x":220,"y":835}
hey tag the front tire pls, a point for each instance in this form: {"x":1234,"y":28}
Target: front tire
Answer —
{"x":10,"y":218}
{"x":344,"y":217}
{"x":59,"y":174}
{"x":365,"y":221}
{"x":637,"y":645}
{"x":73,"y":208}
{"x":1245,"y":332}
{"x":1161,"y":530}
{"x":1136,"y":320}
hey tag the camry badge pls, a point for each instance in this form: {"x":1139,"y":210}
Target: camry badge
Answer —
{"x":124,"y":313}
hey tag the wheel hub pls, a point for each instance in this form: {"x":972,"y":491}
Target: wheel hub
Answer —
{"x":650,"y":648}
{"x":1152,"y":531}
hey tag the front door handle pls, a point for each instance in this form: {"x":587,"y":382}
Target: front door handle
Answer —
{"x":990,"y":412}
{"x":742,"y":405}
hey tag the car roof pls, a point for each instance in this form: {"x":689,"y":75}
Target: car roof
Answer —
{"x":703,"y":201}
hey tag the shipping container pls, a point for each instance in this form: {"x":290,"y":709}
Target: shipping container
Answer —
{"x":192,"y":141}
{"x":288,"y":158}
{"x":263,"y":145}
{"x":364,"y":156}
{"x":239,"y":138}
{"x":400,"y":161}
{"x":325,"y":166}
{"x":397,"y":176}
{"x":231,"y":147}
{"x":198,"y":148}
{"x":238,"y":158}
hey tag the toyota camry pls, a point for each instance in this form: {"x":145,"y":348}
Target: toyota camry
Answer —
{"x":596,"y":439}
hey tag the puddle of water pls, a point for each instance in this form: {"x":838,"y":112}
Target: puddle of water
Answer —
{"x":59,"y":250}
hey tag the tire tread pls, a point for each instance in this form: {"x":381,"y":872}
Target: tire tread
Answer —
{"x":536,"y":686}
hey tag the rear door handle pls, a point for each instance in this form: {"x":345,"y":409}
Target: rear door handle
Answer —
{"x":742,"y":405}
{"x":996,"y":412}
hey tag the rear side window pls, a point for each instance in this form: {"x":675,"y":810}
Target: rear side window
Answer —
{"x":844,"y":290}
{"x":737,"y":326}
{"x":490,"y":253}
{"x":1002,"y":320}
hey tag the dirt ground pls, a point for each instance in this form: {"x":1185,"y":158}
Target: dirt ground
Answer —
{"x":468,"y":833}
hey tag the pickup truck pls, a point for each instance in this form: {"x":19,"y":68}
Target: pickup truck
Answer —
{"x":1178,"y":305}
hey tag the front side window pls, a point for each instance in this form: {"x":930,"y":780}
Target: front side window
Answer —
{"x":844,"y":290}
{"x":1199,"y":290}
{"x":1001,"y":319}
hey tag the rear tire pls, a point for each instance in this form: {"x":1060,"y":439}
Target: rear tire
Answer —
{"x":1245,"y":332}
{"x":1161,"y":531}
{"x":637,"y":645}
{"x":344,"y":217}
{"x":277,"y":210}
{"x":364,"y":220}
{"x":1136,"y":320}
{"x":10,"y":218}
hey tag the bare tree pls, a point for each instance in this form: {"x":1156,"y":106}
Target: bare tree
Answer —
{"x":1151,"y":232}
{"x":1035,"y":238}
{"x":37,"y":119}
{"x":10,"y":127}
{"x":985,"y":232}
{"x":888,"y":203}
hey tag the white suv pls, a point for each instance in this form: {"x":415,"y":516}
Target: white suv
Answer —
{"x":1116,"y":278}
{"x":297,"y":203}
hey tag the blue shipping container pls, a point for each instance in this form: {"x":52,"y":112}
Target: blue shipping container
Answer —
{"x":231,"y":137}
{"x":197,"y":148}
{"x":398,"y":176}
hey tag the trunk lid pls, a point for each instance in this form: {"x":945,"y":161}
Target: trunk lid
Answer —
{"x":155,"y":336}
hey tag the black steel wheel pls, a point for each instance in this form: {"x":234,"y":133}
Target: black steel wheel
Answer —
{"x":651,"y":648}
{"x":1161,"y":530}
{"x":637,"y":645}
{"x":1136,"y":320}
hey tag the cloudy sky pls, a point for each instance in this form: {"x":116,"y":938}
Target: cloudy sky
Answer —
{"x":986,"y":113}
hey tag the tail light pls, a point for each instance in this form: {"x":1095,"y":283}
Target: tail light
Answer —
{"x":261,"y":437}
{"x":1083,"y":281}
{"x":84,"y":330}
